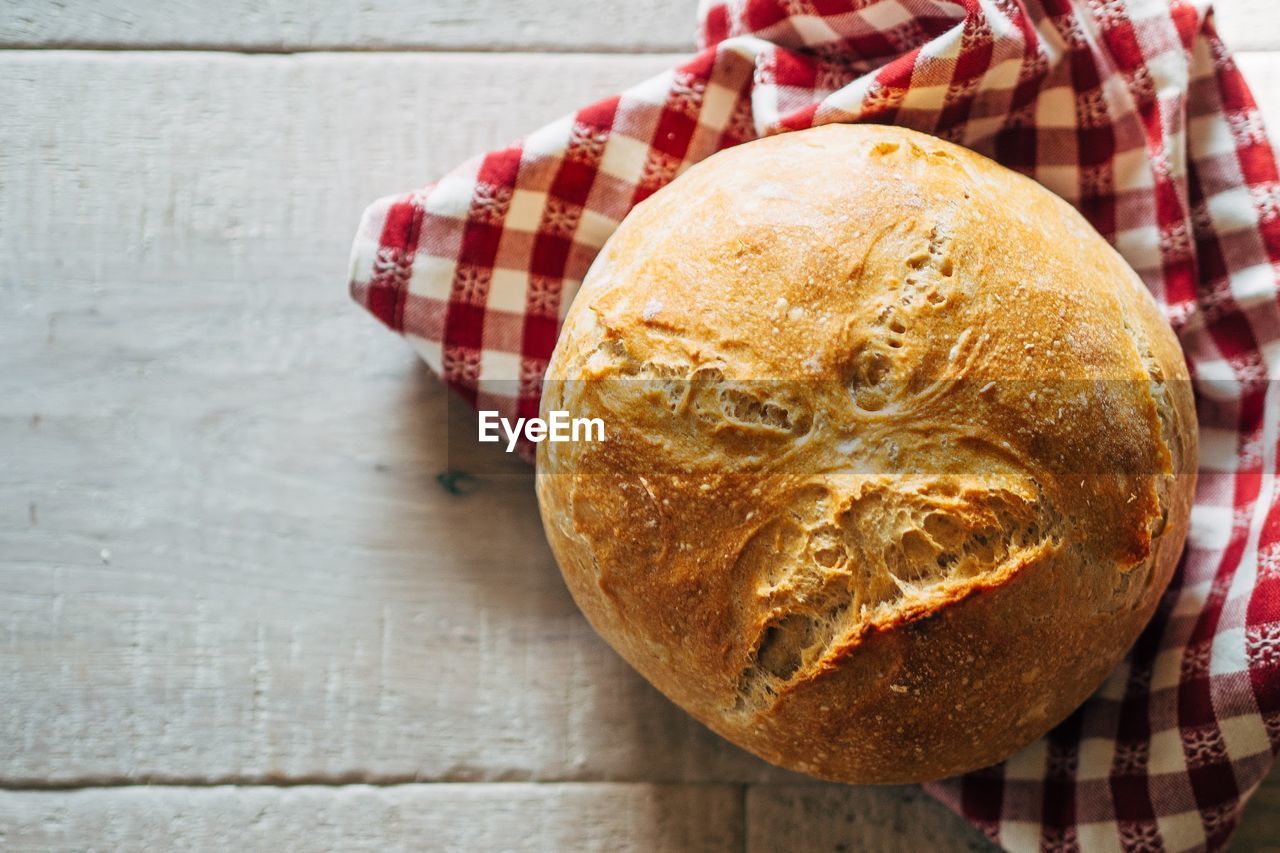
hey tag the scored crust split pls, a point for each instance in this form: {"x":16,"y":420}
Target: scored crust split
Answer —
{"x":900,"y":453}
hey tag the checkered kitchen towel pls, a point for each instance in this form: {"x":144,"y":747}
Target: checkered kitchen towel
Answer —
{"x":1132,"y":110}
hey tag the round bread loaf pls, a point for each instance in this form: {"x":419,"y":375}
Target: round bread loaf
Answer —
{"x":899,"y":452}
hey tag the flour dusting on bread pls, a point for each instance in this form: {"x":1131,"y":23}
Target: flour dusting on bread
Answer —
{"x":900,"y":455}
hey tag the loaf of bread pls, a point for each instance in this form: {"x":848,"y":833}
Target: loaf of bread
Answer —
{"x":899,"y":452}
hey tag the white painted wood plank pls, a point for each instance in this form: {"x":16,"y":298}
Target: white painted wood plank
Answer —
{"x":902,"y":818}
{"x":224,"y":554}
{"x":290,"y":25}
{"x":889,"y":819}
{"x":293,"y":25}
{"x":696,"y":818}
{"x":1262,"y":72}
{"x":1248,"y":24}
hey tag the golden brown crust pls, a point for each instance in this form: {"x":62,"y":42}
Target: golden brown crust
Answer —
{"x":900,"y":452}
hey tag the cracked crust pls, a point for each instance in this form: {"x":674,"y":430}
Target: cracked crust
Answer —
{"x":900,"y":452}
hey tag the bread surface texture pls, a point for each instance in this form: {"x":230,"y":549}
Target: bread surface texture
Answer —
{"x":899,"y":452}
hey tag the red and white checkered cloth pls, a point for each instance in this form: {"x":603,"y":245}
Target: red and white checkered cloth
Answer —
{"x":1134,"y":111}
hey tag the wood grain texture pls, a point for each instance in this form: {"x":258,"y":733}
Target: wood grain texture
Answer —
{"x":1248,"y":24}
{"x":1262,"y":71}
{"x":840,"y":818}
{"x":513,"y":816}
{"x":225,"y":555}
{"x":642,"y":818}
{"x":295,"y":25}
{"x":546,"y":25}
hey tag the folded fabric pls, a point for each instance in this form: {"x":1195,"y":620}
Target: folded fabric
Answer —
{"x":1133,"y":111}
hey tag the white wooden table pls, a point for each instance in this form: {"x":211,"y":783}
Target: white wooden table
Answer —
{"x":236,"y":605}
